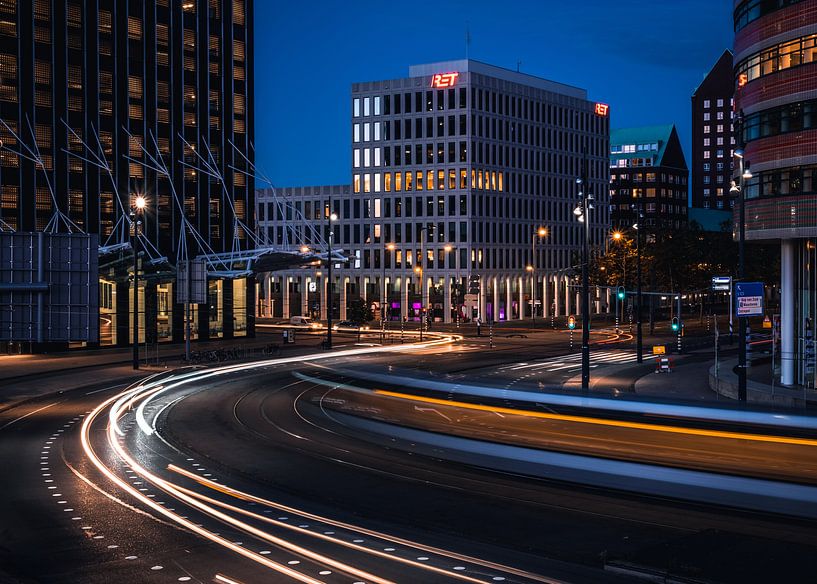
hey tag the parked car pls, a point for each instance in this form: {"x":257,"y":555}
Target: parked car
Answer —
{"x":303,"y":322}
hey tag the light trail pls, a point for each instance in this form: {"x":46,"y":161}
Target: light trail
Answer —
{"x":602,"y":421}
{"x":148,"y":390}
{"x":241,"y":495}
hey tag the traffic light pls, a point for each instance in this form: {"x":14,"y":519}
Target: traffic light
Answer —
{"x":571,"y":322}
{"x":675,"y":324}
{"x":620,"y":293}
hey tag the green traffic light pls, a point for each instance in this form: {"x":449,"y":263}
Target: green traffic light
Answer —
{"x":675,"y":325}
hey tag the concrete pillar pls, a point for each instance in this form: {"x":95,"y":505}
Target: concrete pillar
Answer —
{"x":557,"y":297}
{"x":404,"y":300}
{"x":447,"y":282}
{"x":521,"y":293}
{"x":305,"y":280}
{"x":607,"y":299}
{"x":566,"y":281}
{"x":788,"y":291}
{"x":344,"y":288}
{"x":269,"y":296}
{"x":483,"y":299}
{"x":324,"y":292}
{"x":495,"y":311}
{"x":285,"y":297}
{"x":508,"y":298}
{"x":545,"y":294}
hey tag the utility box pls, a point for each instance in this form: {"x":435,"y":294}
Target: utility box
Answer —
{"x":289,"y":336}
{"x":49,"y":288}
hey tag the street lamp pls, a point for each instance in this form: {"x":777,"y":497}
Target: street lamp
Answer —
{"x":639,"y":339}
{"x":136,"y":213}
{"x":744,"y":173}
{"x":540,"y":233}
{"x":582,"y":213}
{"x":384,"y":299}
{"x":329,"y":308}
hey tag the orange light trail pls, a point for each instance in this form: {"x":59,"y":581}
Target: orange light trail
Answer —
{"x":601,"y":421}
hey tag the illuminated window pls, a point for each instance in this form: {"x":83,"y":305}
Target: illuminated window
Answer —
{"x":440,"y":180}
{"x":356,"y":157}
{"x":238,"y":12}
{"x":367,"y":157}
{"x":134,"y":28}
{"x":387,"y":182}
{"x":452,"y":179}
{"x":430,"y":180}
{"x":408,"y":181}
{"x":420,"y":181}
{"x":367,"y":183}
{"x":377,"y":156}
{"x":398,"y":182}
{"x":463,"y":178}
{"x":377,"y":190}
{"x":356,"y":183}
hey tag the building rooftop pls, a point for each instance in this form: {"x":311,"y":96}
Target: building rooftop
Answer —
{"x":658,"y":140}
{"x":470,"y":65}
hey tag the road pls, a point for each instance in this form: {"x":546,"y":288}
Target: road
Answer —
{"x":230,"y":477}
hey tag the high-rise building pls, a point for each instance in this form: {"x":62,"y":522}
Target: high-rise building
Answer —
{"x":648,"y":171}
{"x":86,"y":84}
{"x":712,"y":137}
{"x":776,"y":94}
{"x":454,"y":170}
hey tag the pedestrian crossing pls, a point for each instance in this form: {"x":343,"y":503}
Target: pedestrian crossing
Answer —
{"x":574,"y":360}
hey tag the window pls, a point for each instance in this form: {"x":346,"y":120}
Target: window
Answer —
{"x":367,"y":106}
{"x":356,"y":133}
{"x":356,"y":158}
{"x":720,"y":103}
{"x":356,"y":107}
{"x":707,"y":104}
{"x":377,"y":105}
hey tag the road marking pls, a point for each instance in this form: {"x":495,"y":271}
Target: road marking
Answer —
{"x":27,"y":415}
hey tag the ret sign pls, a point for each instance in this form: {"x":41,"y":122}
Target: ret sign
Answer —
{"x":441,"y":80}
{"x":602,"y":109}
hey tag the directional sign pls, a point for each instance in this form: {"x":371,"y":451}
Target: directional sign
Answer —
{"x":197,"y":288}
{"x":721,"y":283}
{"x":749,"y":298}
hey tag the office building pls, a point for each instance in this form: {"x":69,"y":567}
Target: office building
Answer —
{"x":648,"y":171}
{"x":712,"y":137}
{"x":90,"y":83}
{"x":454,"y":170}
{"x":776,"y":91}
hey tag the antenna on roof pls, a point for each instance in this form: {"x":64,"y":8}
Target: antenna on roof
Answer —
{"x":467,"y":39}
{"x":518,"y":64}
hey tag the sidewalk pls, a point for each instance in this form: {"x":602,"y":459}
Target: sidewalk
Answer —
{"x":24,"y":377}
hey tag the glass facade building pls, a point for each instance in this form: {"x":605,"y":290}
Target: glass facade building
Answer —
{"x":83,"y":81}
{"x":453,"y":171}
{"x":775,"y":80}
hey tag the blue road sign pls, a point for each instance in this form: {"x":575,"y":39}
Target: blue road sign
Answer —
{"x":749,"y":298}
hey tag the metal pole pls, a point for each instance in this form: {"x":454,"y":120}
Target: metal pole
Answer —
{"x":741,"y":265}
{"x":639,"y":337}
{"x":329,"y":307}
{"x":383,"y":299}
{"x":423,"y":307}
{"x":187,"y":309}
{"x":585,"y":283}
{"x":135,"y":246}
{"x":533,"y":280}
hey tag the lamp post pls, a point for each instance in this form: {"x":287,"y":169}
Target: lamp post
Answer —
{"x":422,"y":263}
{"x":639,"y":339}
{"x":384,"y":299}
{"x":582,"y":213}
{"x":329,"y":309}
{"x":738,"y":190}
{"x":136,"y":213}
{"x":540,"y":233}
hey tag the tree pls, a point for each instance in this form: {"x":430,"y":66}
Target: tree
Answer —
{"x":359,"y":311}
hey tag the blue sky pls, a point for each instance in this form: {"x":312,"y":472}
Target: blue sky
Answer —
{"x":644,"y":58}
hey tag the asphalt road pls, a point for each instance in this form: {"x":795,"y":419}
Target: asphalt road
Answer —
{"x":241,"y":484}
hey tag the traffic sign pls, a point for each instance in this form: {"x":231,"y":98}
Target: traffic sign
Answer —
{"x":659,"y":350}
{"x":767,"y":323}
{"x":196,"y":291}
{"x":749,"y":298}
{"x":721,"y":283}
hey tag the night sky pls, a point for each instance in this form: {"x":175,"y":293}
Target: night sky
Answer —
{"x":643,"y":57}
